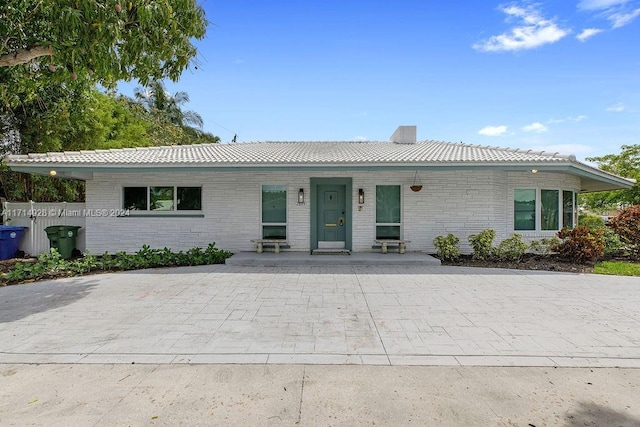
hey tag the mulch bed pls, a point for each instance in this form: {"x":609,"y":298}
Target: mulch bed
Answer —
{"x":7,"y":264}
{"x":528,"y":262}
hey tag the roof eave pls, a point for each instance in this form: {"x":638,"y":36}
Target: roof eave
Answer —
{"x":592,"y":179}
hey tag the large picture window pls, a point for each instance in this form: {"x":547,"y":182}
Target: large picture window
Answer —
{"x":162,"y":198}
{"x":555,"y":209}
{"x":524,"y":214}
{"x":274,"y":212}
{"x":550,"y":208}
{"x":388,"y":214}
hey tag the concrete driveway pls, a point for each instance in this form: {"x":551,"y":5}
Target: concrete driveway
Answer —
{"x":387,"y":315}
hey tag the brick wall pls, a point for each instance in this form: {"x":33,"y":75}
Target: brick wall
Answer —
{"x":460,"y":202}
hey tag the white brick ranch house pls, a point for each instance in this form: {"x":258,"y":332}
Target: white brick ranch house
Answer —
{"x":327,"y":194}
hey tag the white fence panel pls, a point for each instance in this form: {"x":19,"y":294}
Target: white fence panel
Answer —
{"x":38,"y":216}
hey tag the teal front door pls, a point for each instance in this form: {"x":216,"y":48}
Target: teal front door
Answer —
{"x":332,"y":216}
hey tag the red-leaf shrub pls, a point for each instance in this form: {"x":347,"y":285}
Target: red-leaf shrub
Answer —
{"x":580,"y":244}
{"x":627,"y":225}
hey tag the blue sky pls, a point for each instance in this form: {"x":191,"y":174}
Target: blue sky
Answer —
{"x":551,"y":75}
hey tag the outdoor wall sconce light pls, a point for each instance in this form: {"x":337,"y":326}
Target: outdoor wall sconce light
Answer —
{"x":301,"y":196}
{"x":534,"y":170}
{"x":53,"y":173}
{"x":360,"y":196}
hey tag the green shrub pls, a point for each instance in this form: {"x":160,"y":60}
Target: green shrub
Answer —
{"x":124,"y":261}
{"x":591,"y":221}
{"x":613,"y":245}
{"x":510,"y":249}
{"x":52,"y":264}
{"x":447,"y":246}
{"x":20,"y":271}
{"x":580,"y":244}
{"x":47,"y":264}
{"x":214,"y":255}
{"x":482,"y":244}
{"x":195,"y":256}
{"x":627,"y":225}
{"x":544,"y":246}
{"x":106,"y":262}
{"x":83,"y":265}
{"x":182,"y":259}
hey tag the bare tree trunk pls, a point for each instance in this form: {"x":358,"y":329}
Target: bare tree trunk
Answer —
{"x":22,"y":56}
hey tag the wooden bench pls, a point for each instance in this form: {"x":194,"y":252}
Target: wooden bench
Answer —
{"x":402,"y":244}
{"x":275,"y":242}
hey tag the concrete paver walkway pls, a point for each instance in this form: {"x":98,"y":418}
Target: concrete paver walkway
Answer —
{"x":387,"y":315}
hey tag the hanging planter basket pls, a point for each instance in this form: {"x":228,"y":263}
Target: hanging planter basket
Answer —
{"x":417,"y":184}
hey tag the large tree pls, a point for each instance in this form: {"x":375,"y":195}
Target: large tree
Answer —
{"x":78,"y":116}
{"x":106,"y":40}
{"x":183,"y":126}
{"x":157,"y":100}
{"x":626,"y":164}
{"x":54,"y":52}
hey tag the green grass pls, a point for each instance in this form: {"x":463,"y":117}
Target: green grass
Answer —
{"x":617,"y":268}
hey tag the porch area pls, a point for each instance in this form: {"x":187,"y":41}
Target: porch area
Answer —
{"x":297,"y":258}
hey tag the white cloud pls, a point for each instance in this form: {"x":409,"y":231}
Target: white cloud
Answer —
{"x":536,"y":127}
{"x":620,"y":19}
{"x":587,"y":33}
{"x":616,"y":108}
{"x":493,"y":130}
{"x":568,"y":119}
{"x":618,"y":12}
{"x":533,"y":31}
{"x":360,"y":138}
{"x":600,"y":4}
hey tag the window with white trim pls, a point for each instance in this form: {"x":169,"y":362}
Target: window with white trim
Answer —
{"x":162,"y":198}
{"x":388,"y":212}
{"x":543,"y":209}
{"x":524,"y":209}
{"x":549,"y":209}
{"x":274,"y":212}
{"x":569,"y":209}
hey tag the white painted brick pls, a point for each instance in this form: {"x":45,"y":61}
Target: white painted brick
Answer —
{"x":459,"y":202}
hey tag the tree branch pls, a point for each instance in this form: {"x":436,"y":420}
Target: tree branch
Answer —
{"x":22,"y":56}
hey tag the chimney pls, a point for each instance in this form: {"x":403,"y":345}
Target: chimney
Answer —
{"x":404,"y":135}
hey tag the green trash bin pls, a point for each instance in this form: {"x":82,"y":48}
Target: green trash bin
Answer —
{"x":63,"y":238}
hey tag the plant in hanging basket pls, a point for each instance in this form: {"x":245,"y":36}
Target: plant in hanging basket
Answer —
{"x":417,"y":184}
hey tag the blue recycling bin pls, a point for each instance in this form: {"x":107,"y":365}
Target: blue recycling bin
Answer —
{"x":10,"y":237}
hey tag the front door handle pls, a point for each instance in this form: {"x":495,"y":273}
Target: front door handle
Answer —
{"x":341,"y":222}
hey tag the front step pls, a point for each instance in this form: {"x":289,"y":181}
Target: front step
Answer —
{"x":327,"y":251}
{"x":299,"y":259}
{"x":331,"y":245}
